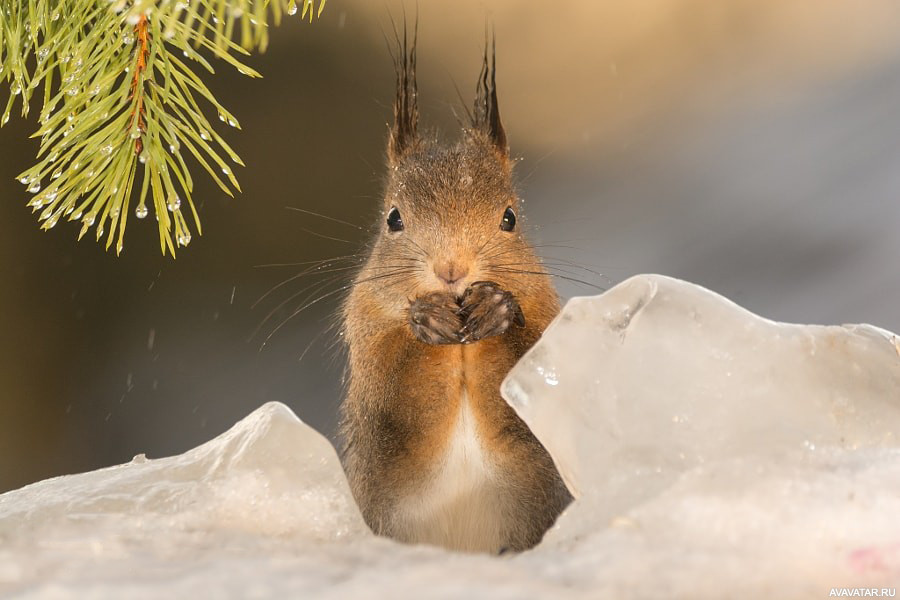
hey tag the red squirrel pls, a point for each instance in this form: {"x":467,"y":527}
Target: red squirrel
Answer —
{"x":450,"y":297}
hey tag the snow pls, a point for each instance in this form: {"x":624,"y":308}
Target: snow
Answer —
{"x":713,"y":453}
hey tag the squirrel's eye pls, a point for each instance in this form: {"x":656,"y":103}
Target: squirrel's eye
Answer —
{"x":509,"y":220}
{"x":394,"y":221}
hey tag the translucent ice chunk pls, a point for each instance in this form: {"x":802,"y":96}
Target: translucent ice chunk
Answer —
{"x":630,"y":388}
{"x":269,"y":474}
{"x":713,"y":452}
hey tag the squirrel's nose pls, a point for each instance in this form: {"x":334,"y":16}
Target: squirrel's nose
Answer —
{"x":450,"y":272}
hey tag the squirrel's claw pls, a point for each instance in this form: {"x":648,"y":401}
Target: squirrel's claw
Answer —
{"x":485,"y":310}
{"x":488,"y":310}
{"x":434,"y":319}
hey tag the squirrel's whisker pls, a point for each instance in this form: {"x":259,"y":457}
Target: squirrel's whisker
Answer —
{"x":548,"y":267}
{"x":548,"y":260}
{"x":318,"y":285}
{"x":314,"y":270}
{"x":575,"y":265}
{"x":361,"y":258}
{"x":323,"y":297}
{"x":313,"y":341}
{"x":315,"y":214}
{"x":554,"y":245}
{"x":328,"y":237}
{"x":421,"y":250}
{"x":563,"y":266}
{"x":328,"y":281}
{"x":567,"y":278}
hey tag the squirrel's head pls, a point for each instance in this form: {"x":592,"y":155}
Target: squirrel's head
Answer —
{"x":451,"y":215}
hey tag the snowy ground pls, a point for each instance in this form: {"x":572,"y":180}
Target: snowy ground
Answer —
{"x":713,"y":454}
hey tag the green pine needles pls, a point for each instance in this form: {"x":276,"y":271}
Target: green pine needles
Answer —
{"x":123,"y":103}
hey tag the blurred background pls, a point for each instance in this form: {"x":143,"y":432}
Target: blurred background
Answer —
{"x":751,"y":147}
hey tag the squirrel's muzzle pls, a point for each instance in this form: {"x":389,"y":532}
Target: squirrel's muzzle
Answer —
{"x":450,"y":273}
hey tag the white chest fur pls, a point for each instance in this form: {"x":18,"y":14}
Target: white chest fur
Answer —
{"x":461,"y":505}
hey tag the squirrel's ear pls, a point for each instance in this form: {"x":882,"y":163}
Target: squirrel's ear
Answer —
{"x":486,"y":117}
{"x":403,"y":134}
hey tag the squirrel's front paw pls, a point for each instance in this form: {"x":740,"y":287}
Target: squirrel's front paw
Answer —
{"x":487,"y":310}
{"x":435,"y":318}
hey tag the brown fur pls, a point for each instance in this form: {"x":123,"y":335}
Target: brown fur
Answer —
{"x":404,"y":396}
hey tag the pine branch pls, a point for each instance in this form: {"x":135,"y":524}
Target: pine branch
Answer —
{"x":122,"y":103}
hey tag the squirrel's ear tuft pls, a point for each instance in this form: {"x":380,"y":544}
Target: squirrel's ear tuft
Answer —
{"x":486,"y":117}
{"x":404,"y":133}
